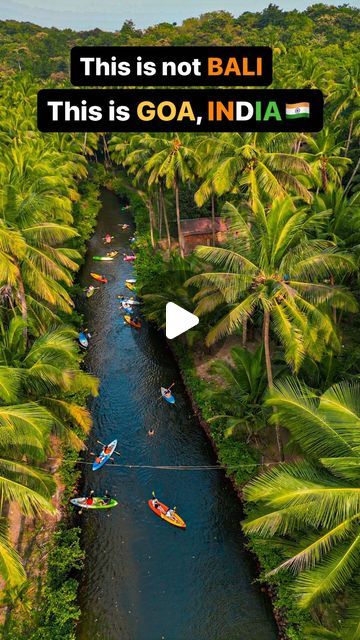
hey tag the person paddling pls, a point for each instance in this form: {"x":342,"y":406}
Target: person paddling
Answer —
{"x":90,"y":498}
{"x":171,"y":513}
{"x":106,"y":450}
{"x":107,"y":497}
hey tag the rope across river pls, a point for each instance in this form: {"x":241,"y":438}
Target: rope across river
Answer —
{"x":182,"y":467}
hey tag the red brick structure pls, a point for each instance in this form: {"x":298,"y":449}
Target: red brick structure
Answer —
{"x":197,"y":231}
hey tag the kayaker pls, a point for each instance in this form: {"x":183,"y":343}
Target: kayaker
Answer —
{"x":170,"y":513}
{"x":156,"y":503}
{"x":90,"y":497}
{"x":90,"y":288}
{"x":167,"y":393}
{"x":107,"y":450}
{"x":151,"y":432}
{"x":107,"y":497}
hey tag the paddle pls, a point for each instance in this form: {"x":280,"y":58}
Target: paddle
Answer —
{"x":104,"y":445}
{"x":168,"y":389}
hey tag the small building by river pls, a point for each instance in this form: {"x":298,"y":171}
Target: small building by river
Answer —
{"x":199,"y":231}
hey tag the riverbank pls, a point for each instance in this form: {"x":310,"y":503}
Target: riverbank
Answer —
{"x":232,"y":453}
{"x":51,"y":549}
{"x":237,"y":454}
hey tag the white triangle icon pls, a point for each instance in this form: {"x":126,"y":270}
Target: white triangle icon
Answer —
{"x":178,"y":320}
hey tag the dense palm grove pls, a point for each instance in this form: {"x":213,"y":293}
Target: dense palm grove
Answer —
{"x":284,"y":286}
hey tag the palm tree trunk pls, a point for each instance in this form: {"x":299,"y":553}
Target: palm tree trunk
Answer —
{"x":324,"y":176}
{"x":349,"y":136}
{"x":178,"y":219}
{"x":160,"y":215}
{"x":332,"y":284}
{"x":266,"y":338}
{"x":150,"y":209}
{"x":163,"y":205}
{"x":107,"y":158}
{"x":23,"y":303}
{"x":213,"y":218}
{"x":352,"y":176}
{"x":244,"y":331}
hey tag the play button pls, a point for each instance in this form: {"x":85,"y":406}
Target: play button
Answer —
{"x":178,"y":320}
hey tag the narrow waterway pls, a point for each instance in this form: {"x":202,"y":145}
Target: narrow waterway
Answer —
{"x":144,"y":579}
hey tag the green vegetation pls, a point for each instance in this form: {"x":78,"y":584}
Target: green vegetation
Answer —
{"x":285,"y":283}
{"x":47,"y":212}
{"x":283,"y":286}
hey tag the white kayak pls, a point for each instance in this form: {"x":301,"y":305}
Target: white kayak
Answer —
{"x":130,"y":301}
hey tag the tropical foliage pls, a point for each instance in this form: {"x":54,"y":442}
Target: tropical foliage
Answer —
{"x":282,"y":287}
{"x":42,"y":387}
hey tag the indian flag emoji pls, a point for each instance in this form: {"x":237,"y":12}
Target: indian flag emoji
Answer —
{"x":298,"y":110}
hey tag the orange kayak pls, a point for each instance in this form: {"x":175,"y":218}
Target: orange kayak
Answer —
{"x":132,"y":322}
{"x":96,"y":276}
{"x":161,"y":511}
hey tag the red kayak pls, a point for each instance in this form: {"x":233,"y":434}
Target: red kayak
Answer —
{"x":99,"y":278}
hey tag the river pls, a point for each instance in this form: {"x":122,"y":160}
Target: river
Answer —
{"x":144,"y":579}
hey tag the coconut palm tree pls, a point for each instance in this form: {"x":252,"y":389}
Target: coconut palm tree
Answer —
{"x":172,"y":157}
{"x":241,"y":393}
{"x":323,"y":154}
{"x":171,"y":287}
{"x":35,"y":267}
{"x":314,"y":503}
{"x":273,"y":268}
{"x":37,"y":386}
{"x":345,"y":97}
{"x":257,"y":165}
{"x":48,"y":373}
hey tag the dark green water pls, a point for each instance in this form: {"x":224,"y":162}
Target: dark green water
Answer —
{"x":144,"y":579}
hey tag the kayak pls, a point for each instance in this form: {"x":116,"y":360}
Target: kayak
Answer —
{"x":130,"y":286}
{"x":104,"y":458}
{"x":127,"y":308}
{"x":130,"y":301}
{"x":96,"y":276}
{"x":112,"y":254}
{"x":129,"y":258}
{"x":170,"y":399}
{"x":131,"y":280}
{"x":132,"y":322}
{"x":103,"y":258}
{"x":83,"y":341}
{"x":97,"y":503}
{"x":175,"y":520}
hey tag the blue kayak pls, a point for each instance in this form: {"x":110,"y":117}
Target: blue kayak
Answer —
{"x":83,"y":341}
{"x":170,"y":399}
{"x":104,"y":457}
